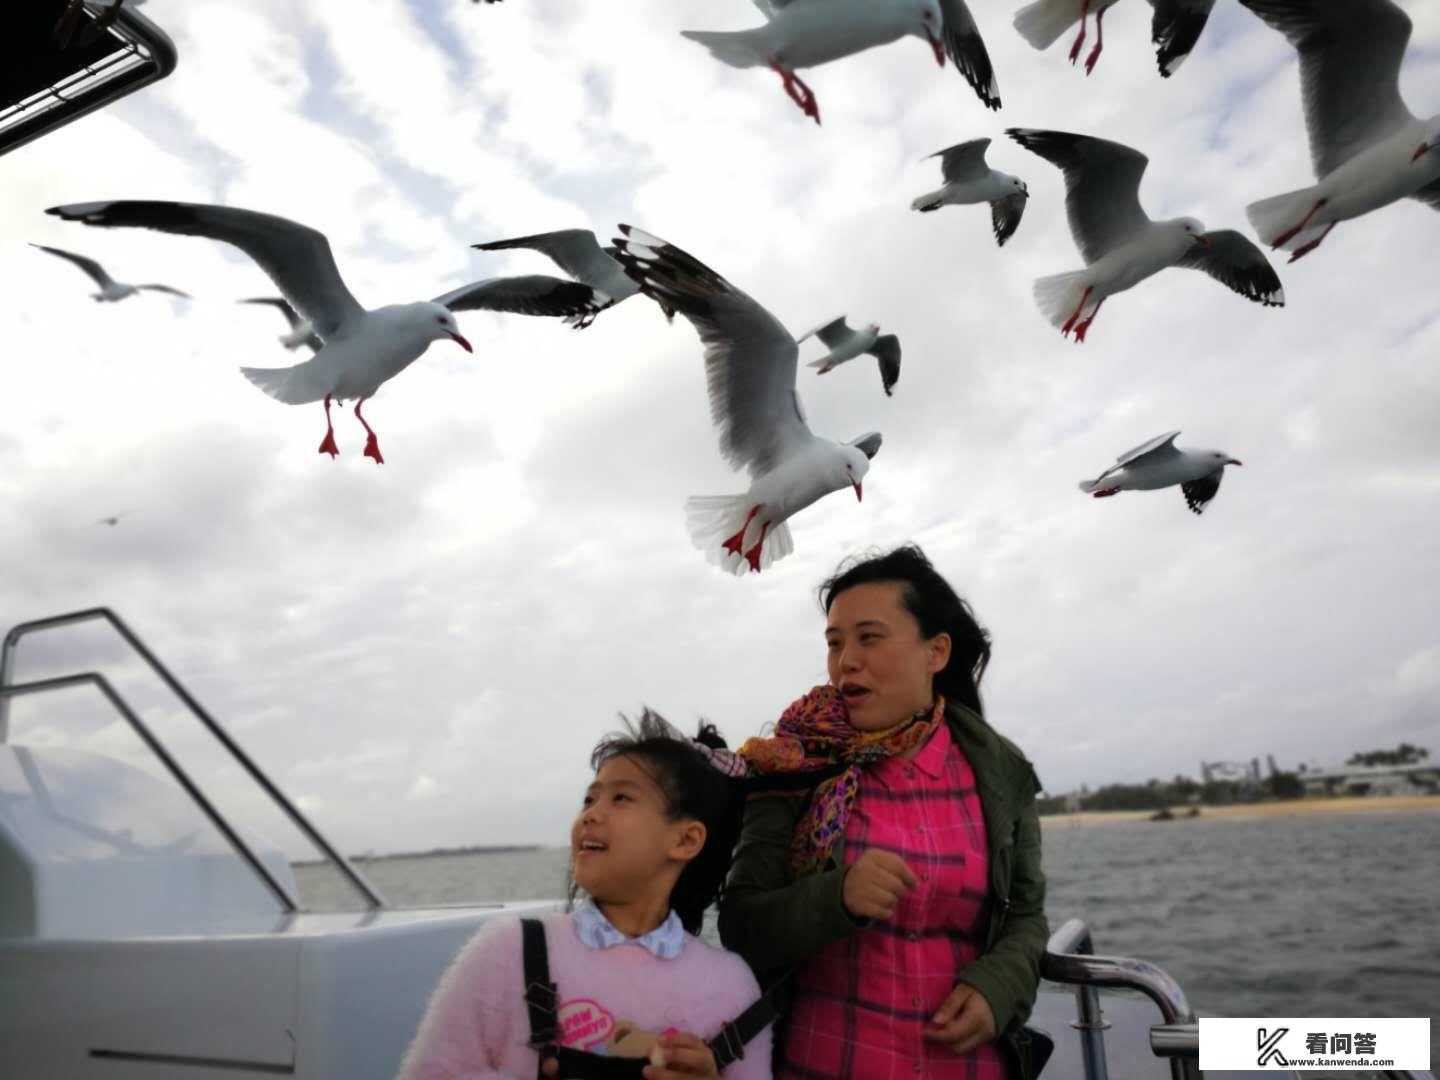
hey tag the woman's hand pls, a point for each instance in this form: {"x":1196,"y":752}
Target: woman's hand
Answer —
{"x":686,"y":1056}
{"x":874,"y":884}
{"x":964,"y":1021}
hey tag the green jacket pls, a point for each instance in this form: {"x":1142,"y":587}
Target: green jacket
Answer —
{"x":776,"y":924}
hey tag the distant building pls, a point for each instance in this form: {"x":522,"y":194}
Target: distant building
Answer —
{"x":1417,"y":778}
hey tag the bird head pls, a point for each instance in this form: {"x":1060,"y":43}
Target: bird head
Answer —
{"x":1222,"y":459}
{"x":1193,"y":228}
{"x":928,"y":22}
{"x":855,"y":465}
{"x":1018,"y":186}
{"x":873,"y":328}
{"x":443,"y":325}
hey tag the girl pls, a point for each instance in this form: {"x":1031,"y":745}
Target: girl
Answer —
{"x":621,"y":980}
{"x":906,"y":893}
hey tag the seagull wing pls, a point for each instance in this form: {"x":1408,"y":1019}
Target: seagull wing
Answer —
{"x":887,"y":350}
{"x":1430,"y":194}
{"x":297,"y":257}
{"x":527,"y":294}
{"x":1102,"y":186}
{"x":1198,"y":493}
{"x":749,"y":356}
{"x":1158,"y":447}
{"x":963,"y":161}
{"x":1235,"y":262}
{"x":1175,"y":29}
{"x":166,"y":289}
{"x":833,"y":333}
{"x":1005,"y":215}
{"x":868,"y":444}
{"x":576,"y":251}
{"x":965,"y":47}
{"x":1350,"y":57}
{"x":90,"y":266}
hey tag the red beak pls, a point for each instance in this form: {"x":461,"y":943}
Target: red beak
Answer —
{"x":462,"y":343}
{"x":1234,"y":461}
{"x":859,"y":495}
{"x":1424,"y":149}
{"x":938,"y":46}
{"x":1203,"y":240}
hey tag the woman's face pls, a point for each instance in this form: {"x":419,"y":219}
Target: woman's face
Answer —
{"x":877,"y":658}
{"x":622,"y":840}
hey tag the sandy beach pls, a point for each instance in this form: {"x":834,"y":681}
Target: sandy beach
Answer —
{"x":1283,"y":807}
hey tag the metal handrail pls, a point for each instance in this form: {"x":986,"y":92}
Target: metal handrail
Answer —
{"x":1070,"y":958}
{"x":373,"y":898}
{"x":142,"y":38}
{"x":95,"y":679}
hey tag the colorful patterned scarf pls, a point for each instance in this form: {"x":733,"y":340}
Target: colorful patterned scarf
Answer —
{"x":813,"y":733}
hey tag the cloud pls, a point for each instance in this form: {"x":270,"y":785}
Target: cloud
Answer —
{"x":424,"y":653}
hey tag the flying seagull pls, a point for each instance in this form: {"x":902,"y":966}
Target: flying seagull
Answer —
{"x":579,"y":254}
{"x":1368,"y":149}
{"x":846,"y":344}
{"x":362,"y":348}
{"x":1160,"y":464}
{"x":807,"y":33}
{"x":111,"y":291}
{"x":1121,"y":245}
{"x":1175,"y":27}
{"x":750,"y":363}
{"x":969,"y":180}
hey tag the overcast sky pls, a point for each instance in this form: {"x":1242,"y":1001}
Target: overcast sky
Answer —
{"x":424,"y":652}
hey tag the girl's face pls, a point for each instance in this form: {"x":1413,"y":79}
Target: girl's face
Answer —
{"x":623,"y":844}
{"x":877,"y":658}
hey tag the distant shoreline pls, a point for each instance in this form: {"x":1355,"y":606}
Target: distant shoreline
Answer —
{"x":1345,"y":804}
{"x":473,"y":849}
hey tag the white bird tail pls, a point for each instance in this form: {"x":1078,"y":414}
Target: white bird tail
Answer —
{"x":932,"y":201}
{"x":1042,"y":22}
{"x":1058,"y":296}
{"x":713,"y":519}
{"x":296,"y":385}
{"x":738,"y":48}
{"x":1272,"y":218}
{"x":824,"y":363}
{"x":1088,"y":486}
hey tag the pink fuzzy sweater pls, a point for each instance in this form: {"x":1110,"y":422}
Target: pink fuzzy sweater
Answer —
{"x":611,"y":1001}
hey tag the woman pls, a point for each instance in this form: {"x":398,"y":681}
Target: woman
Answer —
{"x":904,"y":890}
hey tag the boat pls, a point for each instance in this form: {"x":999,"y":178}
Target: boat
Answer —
{"x":144,"y":933}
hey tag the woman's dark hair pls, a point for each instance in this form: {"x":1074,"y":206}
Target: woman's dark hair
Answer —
{"x":693,"y":789}
{"x":936,"y":607}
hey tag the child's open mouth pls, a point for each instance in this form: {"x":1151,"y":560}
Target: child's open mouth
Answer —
{"x":854,"y":694}
{"x":590,"y":847}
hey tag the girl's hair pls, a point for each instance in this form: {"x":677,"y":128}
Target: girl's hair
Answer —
{"x":693,"y":789}
{"x":936,"y":607}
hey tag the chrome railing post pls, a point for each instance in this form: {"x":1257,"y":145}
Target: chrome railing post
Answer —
{"x":1069,"y":958}
{"x":372,"y":898}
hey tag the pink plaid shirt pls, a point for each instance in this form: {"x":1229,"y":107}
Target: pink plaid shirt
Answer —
{"x":862,"y":1003}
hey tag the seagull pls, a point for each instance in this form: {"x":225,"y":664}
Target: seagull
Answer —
{"x":1174,"y":29}
{"x":750,"y":369}
{"x":1159,"y":463}
{"x":111,"y":291}
{"x":806,"y":33}
{"x":969,"y":180}
{"x":846,"y":344}
{"x":301,"y":332}
{"x":362,"y":349}
{"x":1122,"y":246}
{"x":113,"y":519}
{"x":1367,"y":148}
{"x":579,"y":254}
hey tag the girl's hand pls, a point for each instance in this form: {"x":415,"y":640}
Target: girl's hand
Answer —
{"x":686,"y":1056}
{"x":964,"y":1021}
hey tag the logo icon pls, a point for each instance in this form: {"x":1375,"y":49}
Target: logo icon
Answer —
{"x":1269,"y":1048}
